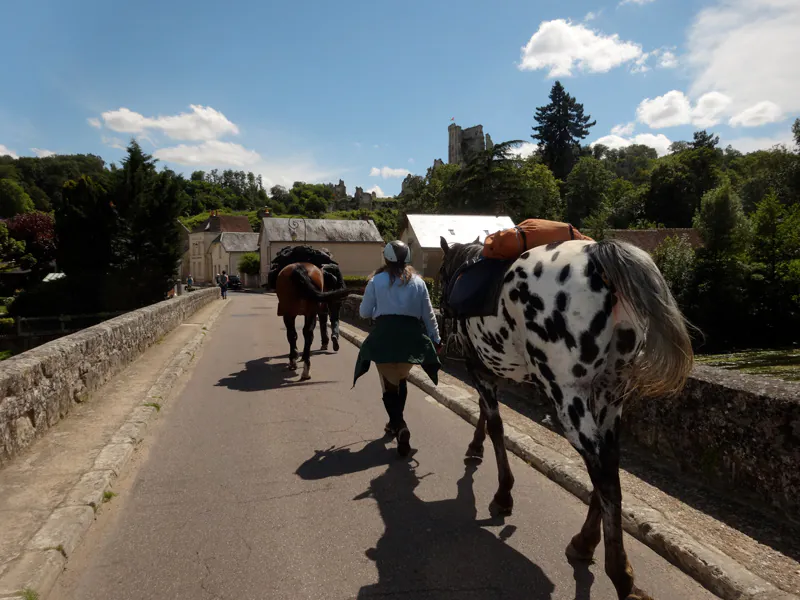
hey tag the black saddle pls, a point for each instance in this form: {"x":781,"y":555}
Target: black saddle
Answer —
{"x":295,"y":254}
{"x":475,"y":288}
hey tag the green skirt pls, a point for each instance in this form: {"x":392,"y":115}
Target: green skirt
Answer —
{"x":398,"y":339}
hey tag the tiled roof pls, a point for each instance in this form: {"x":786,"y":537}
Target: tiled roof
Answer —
{"x":320,"y":230}
{"x":225,"y":223}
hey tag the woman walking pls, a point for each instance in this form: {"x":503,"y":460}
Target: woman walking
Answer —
{"x":405,"y":334}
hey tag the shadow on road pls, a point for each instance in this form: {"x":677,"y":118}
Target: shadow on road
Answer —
{"x":438,"y":549}
{"x":267,"y":374}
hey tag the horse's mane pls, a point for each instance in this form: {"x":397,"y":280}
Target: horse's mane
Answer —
{"x":458,"y":254}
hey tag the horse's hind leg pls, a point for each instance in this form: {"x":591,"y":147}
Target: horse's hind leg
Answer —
{"x":503,"y":502}
{"x":308,"y":339}
{"x":291,"y":336}
{"x":475,"y":448}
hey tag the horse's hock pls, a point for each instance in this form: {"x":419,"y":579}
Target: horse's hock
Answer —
{"x":734,"y":431}
{"x":39,"y":387}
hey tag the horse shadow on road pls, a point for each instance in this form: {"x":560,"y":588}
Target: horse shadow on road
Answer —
{"x":267,"y":373}
{"x":435,"y":549}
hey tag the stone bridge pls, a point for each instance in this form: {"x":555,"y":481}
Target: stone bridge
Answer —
{"x":168,"y":453}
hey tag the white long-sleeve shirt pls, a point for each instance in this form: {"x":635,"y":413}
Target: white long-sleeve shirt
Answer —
{"x":411,"y":299}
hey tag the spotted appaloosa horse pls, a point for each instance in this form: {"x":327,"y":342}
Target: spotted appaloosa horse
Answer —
{"x":588,"y":324}
{"x":300,"y":289}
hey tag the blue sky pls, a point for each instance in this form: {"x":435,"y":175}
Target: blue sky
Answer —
{"x":364,"y":91}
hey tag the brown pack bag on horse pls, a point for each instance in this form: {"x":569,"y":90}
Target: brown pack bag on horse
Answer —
{"x":510,"y":243}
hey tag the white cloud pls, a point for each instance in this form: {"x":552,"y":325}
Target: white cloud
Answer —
{"x":710,"y":109}
{"x":203,"y":123}
{"x":561,"y":47}
{"x":591,"y":16}
{"x":387,"y":172}
{"x":4,"y":151}
{"x":113,"y":142}
{"x":751,"y":144}
{"x":637,"y":2}
{"x":757,"y":115}
{"x":41,"y":153}
{"x":747,"y":49}
{"x":669,"y":110}
{"x":209,"y":153}
{"x":623,"y":130}
{"x":640,"y":65}
{"x":524,"y":150}
{"x":94,"y":122}
{"x":667,"y":60}
{"x":659,"y":142}
{"x":285,"y":171}
{"x":378,"y":191}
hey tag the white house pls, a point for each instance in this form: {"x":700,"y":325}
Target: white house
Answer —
{"x":202,"y":266}
{"x":356,"y":245}
{"x":422,"y":233}
{"x":228,"y":248}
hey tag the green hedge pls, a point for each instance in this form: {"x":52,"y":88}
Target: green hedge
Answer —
{"x":359,"y":282}
{"x":7,"y":326}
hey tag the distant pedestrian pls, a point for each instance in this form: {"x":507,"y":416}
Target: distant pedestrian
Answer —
{"x":189,"y":281}
{"x":223,"y":284}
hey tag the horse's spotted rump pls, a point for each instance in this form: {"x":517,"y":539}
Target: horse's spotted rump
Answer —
{"x":626,"y":341}
{"x":563,"y":276}
{"x":537,"y":270}
{"x":555,"y":256}
{"x":553,"y":245}
{"x":579,"y":371}
{"x":509,"y":277}
{"x":525,"y":255}
{"x":589,"y":349}
{"x":508,"y":318}
{"x":521,"y":273}
{"x":561,"y":301}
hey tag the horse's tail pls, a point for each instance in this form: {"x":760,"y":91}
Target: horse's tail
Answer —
{"x":666,"y":358}
{"x":310,"y":291}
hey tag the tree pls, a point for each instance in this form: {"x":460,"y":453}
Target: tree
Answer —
{"x":490,"y":180}
{"x":722,"y":223}
{"x":13,"y":199}
{"x":674,"y":257}
{"x":561,"y":127}
{"x":796,"y":133}
{"x":703,"y":139}
{"x":37,"y":231}
{"x":586,"y":188}
{"x":540,"y":196}
{"x":12,"y":252}
{"x":250,"y":263}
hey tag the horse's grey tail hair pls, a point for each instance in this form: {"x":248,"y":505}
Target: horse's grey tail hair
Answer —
{"x":662,"y":367}
{"x":309,"y":291}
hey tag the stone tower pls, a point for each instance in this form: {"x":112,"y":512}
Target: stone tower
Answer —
{"x":463,"y":144}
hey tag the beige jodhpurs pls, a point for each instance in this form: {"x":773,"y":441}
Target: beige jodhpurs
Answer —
{"x":393,"y":373}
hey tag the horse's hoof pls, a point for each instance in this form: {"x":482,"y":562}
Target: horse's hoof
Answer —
{"x":637,"y":594}
{"x":582,"y":556}
{"x":474,"y":451}
{"x":501,"y":509}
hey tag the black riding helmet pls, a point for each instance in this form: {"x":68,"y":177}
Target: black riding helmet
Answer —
{"x":397,"y":252}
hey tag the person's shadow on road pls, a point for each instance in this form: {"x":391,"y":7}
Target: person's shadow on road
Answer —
{"x":267,"y":373}
{"x":431,"y":550}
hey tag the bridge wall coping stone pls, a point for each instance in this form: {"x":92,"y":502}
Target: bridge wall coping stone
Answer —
{"x":39,"y":387}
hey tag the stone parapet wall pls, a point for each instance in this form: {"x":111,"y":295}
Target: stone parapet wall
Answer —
{"x":39,"y":387}
{"x":736,"y":432}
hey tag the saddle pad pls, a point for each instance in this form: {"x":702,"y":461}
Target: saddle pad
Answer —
{"x":476,"y":286}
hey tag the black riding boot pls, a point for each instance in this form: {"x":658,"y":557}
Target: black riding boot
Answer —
{"x":394,"y":400}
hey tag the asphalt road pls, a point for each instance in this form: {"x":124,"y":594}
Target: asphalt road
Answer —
{"x":255,"y":486}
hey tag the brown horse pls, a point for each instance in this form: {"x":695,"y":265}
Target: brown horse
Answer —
{"x":300,"y":289}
